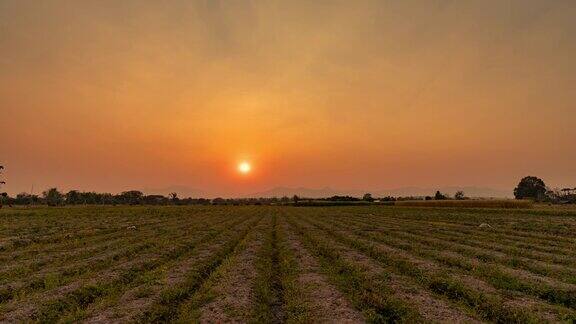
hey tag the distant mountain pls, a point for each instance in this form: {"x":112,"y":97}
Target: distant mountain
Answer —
{"x":470,"y":191}
{"x":182,"y":191}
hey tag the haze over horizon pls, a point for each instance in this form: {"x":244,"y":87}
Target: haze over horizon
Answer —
{"x":363,"y":95}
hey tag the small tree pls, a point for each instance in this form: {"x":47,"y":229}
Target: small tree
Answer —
{"x":530,"y":188}
{"x":24,"y":198}
{"x":368,"y":197}
{"x":132,"y":197}
{"x":295,"y":198}
{"x":440,"y":196}
{"x":53,"y":197}
{"x":218,"y":201}
{"x":2,"y":194}
{"x":459,"y":195}
{"x":174,"y":197}
{"x":73,"y":197}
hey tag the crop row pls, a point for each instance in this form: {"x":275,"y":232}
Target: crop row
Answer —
{"x":440,"y":273}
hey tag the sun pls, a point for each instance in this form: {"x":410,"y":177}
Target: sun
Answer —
{"x":244,"y":167}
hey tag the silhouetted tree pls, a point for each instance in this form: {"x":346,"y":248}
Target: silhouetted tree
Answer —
{"x":218,"y":201}
{"x":342,"y":198}
{"x":24,"y":198}
{"x":459,"y":195}
{"x":132,"y":197}
{"x":53,"y":197}
{"x":530,"y":188}
{"x":73,"y":197}
{"x":296,"y":199}
{"x":368,"y":197}
{"x":156,"y":200}
{"x":3,"y":195}
{"x":440,"y":196}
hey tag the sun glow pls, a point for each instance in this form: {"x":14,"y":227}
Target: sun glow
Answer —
{"x":244,"y":167}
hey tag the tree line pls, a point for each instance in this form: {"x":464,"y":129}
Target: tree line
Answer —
{"x":53,"y":197}
{"x":529,"y":187}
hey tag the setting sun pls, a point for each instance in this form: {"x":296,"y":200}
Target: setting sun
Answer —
{"x":244,"y":167}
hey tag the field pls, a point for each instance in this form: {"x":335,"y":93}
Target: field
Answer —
{"x":287,"y":264}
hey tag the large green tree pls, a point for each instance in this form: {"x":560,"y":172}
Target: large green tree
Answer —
{"x":530,"y":188}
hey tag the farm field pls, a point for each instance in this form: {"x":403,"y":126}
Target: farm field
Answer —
{"x":275,"y":264}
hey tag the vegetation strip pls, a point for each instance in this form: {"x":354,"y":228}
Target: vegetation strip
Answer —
{"x":79,"y":299}
{"x":269,"y":290}
{"x":167,"y":308}
{"x":465,"y":247}
{"x":56,"y":279}
{"x":71,"y":244}
{"x":144,"y":293}
{"x":368,"y":293}
{"x":228,"y":295}
{"x":47,"y":241}
{"x":492,"y":274}
{"x":52,"y":279}
{"x":488,"y":307}
{"x":308,"y":295}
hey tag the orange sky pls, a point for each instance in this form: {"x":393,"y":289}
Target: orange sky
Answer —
{"x":113,"y":95}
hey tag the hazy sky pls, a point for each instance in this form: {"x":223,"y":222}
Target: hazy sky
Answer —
{"x":113,"y":95}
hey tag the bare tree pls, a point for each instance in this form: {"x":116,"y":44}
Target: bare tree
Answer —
{"x":459,"y":195}
{"x":2,"y":194}
{"x":296,"y":199}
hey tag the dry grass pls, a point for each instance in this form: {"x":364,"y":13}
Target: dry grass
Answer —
{"x":500,"y":203}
